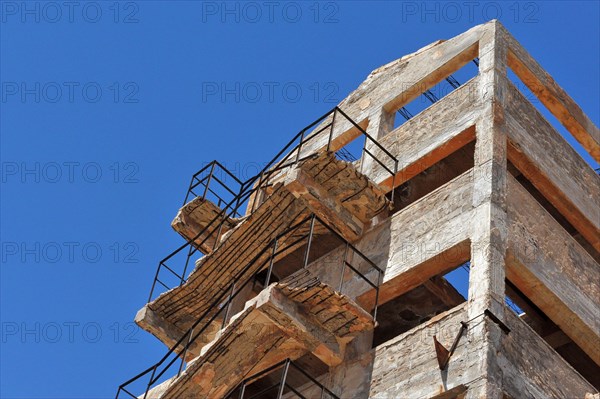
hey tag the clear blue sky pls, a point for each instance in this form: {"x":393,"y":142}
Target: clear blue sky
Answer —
{"x":108,"y":108}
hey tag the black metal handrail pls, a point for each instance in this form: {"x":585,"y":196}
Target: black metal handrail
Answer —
{"x":221,"y":306}
{"x":214,"y":172}
{"x":250,"y":189}
{"x":286,"y":366}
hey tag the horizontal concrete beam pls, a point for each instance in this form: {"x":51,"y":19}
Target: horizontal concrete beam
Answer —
{"x":547,"y":265}
{"x":558,"y":102}
{"x":552,"y":165}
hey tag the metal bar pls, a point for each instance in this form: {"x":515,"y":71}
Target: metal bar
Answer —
{"x":366,"y":134}
{"x":185,"y":348}
{"x":394,"y":182}
{"x":331,"y":130}
{"x":310,"y":237}
{"x":188,"y":191}
{"x":283,"y":377}
{"x":224,"y":185}
{"x":242,"y":391}
{"x":229,"y":302}
{"x":299,"y":146}
{"x":378,"y":161}
{"x":270,"y":270}
{"x":344,"y":261}
{"x":198,"y":182}
{"x":212,"y":169}
{"x":163,"y":284}
{"x":361,"y":275}
{"x":295,"y":391}
{"x":227,"y":171}
{"x":162,"y":264}
{"x":150,"y":382}
{"x":377,"y":296}
{"x":187,"y":262}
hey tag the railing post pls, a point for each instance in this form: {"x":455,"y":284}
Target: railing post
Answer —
{"x":310,"y":237}
{"x":362,"y":155}
{"x":343,"y":266}
{"x":283,"y":378}
{"x":154,"y":282}
{"x":218,"y":236}
{"x":300,"y":145}
{"x":212,"y":169}
{"x":185,"y":348}
{"x":394,"y":180}
{"x":187,"y":195}
{"x":187,"y":262}
{"x":243,"y":390}
{"x":229,"y":301}
{"x":150,"y":382}
{"x":257,"y":190}
{"x":331,"y":130}
{"x":268,"y":279}
{"x":377,"y":296}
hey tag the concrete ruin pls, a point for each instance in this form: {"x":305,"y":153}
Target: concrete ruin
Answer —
{"x":330,"y":281}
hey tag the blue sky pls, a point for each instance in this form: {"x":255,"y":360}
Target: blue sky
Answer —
{"x":108,"y":109}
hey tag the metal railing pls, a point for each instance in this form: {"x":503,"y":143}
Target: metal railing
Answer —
{"x":205,"y":180}
{"x":282,"y":386}
{"x":297,"y":237}
{"x":249,"y":191}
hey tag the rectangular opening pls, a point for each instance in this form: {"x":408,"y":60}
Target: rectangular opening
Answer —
{"x":437,"y":295}
{"x":434,"y":177}
{"x":549,"y":116}
{"x":435,"y":93}
{"x":298,"y":379}
{"x":552,"y":334}
{"x":555,"y":213}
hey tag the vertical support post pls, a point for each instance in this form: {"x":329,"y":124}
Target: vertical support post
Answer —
{"x":310,"y":237}
{"x":187,"y":195}
{"x":229,"y":302}
{"x":344,"y":266}
{"x":185,"y":348}
{"x":489,"y":222}
{"x":300,"y":145}
{"x":150,"y":382}
{"x":243,"y":390}
{"x":394,"y":182}
{"x":270,"y":270}
{"x":212,"y":169}
{"x":377,"y":295}
{"x":283,"y":378}
{"x":331,"y":129}
{"x":187,"y":261}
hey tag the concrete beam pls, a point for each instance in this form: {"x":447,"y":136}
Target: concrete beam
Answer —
{"x":547,"y":265}
{"x":321,"y":203}
{"x":558,"y":102}
{"x":553,"y":166}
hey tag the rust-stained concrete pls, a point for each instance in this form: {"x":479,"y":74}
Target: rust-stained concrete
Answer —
{"x":535,"y":238}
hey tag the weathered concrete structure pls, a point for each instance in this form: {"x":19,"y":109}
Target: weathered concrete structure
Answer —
{"x":330,"y":283}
